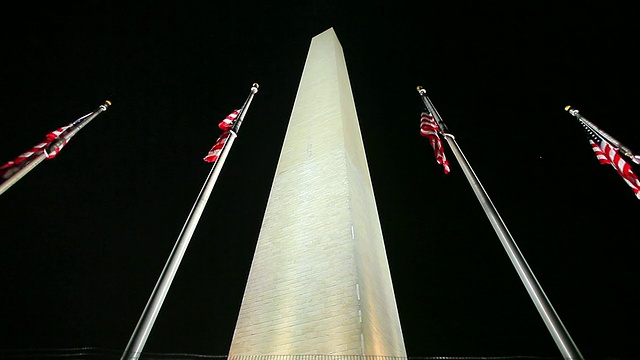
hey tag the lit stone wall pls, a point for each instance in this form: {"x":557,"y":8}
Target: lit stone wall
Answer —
{"x":319,"y":282}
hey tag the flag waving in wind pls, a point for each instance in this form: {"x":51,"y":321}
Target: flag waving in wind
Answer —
{"x":226,"y":126}
{"x":23,"y":159}
{"x":429,"y":128}
{"x":228,"y":122}
{"x":49,"y":148}
{"x":608,"y":150}
{"x":608,"y":154}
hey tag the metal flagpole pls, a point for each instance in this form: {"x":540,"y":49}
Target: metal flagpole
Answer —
{"x":66,"y":135}
{"x":625,"y":150}
{"x":151,"y":310}
{"x":556,"y":328}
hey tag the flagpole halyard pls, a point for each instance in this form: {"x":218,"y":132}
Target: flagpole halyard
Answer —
{"x":147,"y":319}
{"x":551,"y":319}
{"x":46,"y":150}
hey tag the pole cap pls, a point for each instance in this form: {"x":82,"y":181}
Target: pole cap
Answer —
{"x":255,"y":87}
{"x":105,"y":106}
{"x":572,"y":111}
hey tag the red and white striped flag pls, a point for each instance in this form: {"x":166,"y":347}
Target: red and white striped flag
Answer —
{"x":225,"y":125}
{"x":608,"y":154}
{"x":430,"y":129}
{"x":216,"y":150}
{"x":23,"y":159}
{"x":228,"y":122}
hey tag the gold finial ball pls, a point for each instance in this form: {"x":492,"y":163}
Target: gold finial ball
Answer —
{"x":419,"y":88}
{"x":255,"y":85}
{"x":108,"y":102}
{"x":566,"y":108}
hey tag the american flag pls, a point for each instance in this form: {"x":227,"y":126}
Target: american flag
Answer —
{"x":228,"y":122}
{"x":14,"y":165}
{"x":429,"y":129}
{"x":608,"y":154}
{"x":216,"y":150}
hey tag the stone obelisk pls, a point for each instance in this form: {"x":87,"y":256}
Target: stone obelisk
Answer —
{"x":319,"y":281}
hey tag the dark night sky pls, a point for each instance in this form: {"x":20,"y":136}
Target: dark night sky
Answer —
{"x":86,"y":235}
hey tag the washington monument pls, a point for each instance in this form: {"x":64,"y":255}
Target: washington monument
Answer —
{"x":319,"y":282}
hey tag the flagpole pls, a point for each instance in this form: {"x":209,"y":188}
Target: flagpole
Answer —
{"x":549,"y":316}
{"x":62,"y":139}
{"x":151,"y":310}
{"x":625,"y":150}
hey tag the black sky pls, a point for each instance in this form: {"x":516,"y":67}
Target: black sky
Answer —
{"x":86,"y":235}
